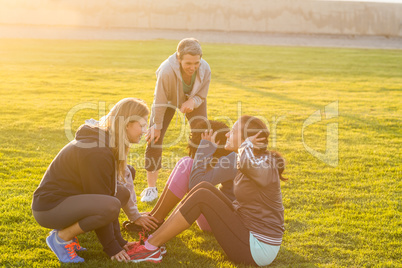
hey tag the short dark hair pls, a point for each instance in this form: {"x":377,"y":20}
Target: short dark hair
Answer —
{"x":199,"y":128}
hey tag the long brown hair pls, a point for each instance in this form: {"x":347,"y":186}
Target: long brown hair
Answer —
{"x":279,"y":163}
{"x":250,"y":126}
{"x":125,"y":111}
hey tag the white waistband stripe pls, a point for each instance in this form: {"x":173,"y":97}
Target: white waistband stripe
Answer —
{"x":267,"y":239}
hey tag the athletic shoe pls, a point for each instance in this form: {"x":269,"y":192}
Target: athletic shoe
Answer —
{"x":77,"y":245}
{"x":149,"y":194}
{"x":138,"y":243}
{"x":163,"y":250}
{"x":64,"y":252}
{"x":132,"y":227}
{"x":139,"y":253}
{"x":144,"y":234}
{"x":144,"y":237}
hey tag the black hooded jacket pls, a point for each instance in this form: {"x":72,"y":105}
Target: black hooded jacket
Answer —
{"x":86,"y":165}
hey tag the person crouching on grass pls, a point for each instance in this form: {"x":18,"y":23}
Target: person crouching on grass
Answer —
{"x":249,"y":229}
{"x":79,"y":191}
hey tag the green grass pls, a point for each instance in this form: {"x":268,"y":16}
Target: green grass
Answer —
{"x":344,"y":216}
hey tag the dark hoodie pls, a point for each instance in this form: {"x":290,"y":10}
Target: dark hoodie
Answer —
{"x":86,"y":165}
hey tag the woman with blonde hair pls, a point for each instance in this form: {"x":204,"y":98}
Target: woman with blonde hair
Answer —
{"x":79,"y":190}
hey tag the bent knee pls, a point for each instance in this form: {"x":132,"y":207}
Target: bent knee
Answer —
{"x":204,"y":184}
{"x":202,"y":194}
{"x":112,"y":209}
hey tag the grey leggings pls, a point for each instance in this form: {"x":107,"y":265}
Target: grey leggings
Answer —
{"x":92,"y":212}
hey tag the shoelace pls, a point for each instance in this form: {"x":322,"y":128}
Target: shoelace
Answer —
{"x":77,"y":244}
{"x":149,"y":192}
{"x":133,"y":247}
{"x":70,"y":250}
{"x":143,"y":236}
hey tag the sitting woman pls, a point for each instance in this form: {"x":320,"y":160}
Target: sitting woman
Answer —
{"x":206,"y":162}
{"x":80,"y":192}
{"x":249,"y":229}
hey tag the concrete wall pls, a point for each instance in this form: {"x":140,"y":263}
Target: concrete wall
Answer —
{"x":281,"y":16}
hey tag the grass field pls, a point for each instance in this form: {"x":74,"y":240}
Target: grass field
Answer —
{"x":344,"y":216}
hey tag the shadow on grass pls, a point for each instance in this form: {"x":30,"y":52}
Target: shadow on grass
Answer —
{"x":182,"y":251}
{"x":206,"y":254}
{"x":375,"y":125}
{"x":200,"y":249}
{"x":288,"y":258}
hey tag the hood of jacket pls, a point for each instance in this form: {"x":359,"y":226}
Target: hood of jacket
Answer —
{"x":92,"y":134}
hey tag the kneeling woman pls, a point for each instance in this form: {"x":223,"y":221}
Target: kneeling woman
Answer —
{"x":79,"y":191}
{"x":248,"y":229}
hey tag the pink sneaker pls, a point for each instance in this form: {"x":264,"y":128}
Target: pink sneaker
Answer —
{"x":141,"y":242}
{"x":139,"y":253}
{"x":144,"y":237}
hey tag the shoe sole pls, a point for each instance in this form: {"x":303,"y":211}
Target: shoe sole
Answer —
{"x":154,"y":260}
{"x":146,"y":200}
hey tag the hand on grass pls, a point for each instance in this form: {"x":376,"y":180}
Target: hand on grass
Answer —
{"x":121,"y":256}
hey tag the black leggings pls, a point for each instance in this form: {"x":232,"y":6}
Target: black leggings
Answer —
{"x":226,"y":224}
{"x":153,"y":152}
{"x":92,"y":212}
